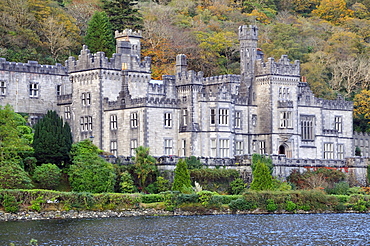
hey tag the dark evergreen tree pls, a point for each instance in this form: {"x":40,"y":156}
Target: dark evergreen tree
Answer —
{"x":99,"y":35}
{"x":123,"y":14}
{"x":181,"y":180}
{"x":52,"y":140}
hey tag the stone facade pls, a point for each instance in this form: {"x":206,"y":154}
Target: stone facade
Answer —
{"x":267,"y":109}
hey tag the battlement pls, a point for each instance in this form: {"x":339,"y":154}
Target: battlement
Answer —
{"x":125,"y":34}
{"x":248,"y":32}
{"x":88,"y":61}
{"x":339,"y":103}
{"x":282,"y":67}
{"x":361,"y":134}
{"x":32,"y":67}
{"x":229,"y":78}
{"x":191,"y":77}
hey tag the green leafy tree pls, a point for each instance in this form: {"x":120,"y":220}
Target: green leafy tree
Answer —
{"x":52,"y":140}
{"x":181,"y":180}
{"x":12,"y":176}
{"x":123,"y":14}
{"x":15,"y":136}
{"x":89,"y":172}
{"x":144,"y":166}
{"x":237,"y":186}
{"x":99,"y":35}
{"x":127,"y":183}
{"x":262,"y":178}
{"x":47,"y":175}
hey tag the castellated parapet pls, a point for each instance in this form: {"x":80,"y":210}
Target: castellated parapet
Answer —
{"x":229,"y":78}
{"x":282,"y":67}
{"x":32,"y":67}
{"x":125,"y":34}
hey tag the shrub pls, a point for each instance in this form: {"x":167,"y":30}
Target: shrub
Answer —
{"x":360,"y":206}
{"x":271,"y":206}
{"x":340,"y":207}
{"x":237,"y":186}
{"x":12,"y":176}
{"x":205,"y":196}
{"x":36,"y":204}
{"x":150,"y":198}
{"x":342,"y":198}
{"x":10,"y":204}
{"x":47,"y":175}
{"x":241,"y":204}
{"x":214,"y":179}
{"x":340,"y":188}
{"x":226,"y":199}
{"x":290,"y":206}
{"x":187,"y":198}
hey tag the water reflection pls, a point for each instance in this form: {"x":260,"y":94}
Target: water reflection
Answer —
{"x":291,"y":229}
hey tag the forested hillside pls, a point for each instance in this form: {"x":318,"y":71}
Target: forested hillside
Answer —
{"x":331,"y":38}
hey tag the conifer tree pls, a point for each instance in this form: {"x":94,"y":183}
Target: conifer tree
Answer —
{"x":262,"y":179}
{"x":182,"y":177}
{"x":99,"y":34}
{"x":52,"y":140}
{"x":123,"y":14}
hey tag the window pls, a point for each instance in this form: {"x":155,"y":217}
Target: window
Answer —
{"x":262,"y":147}
{"x":133,"y":146}
{"x":168,"y":147}
{"x":238,"y":119}
{"x":284,"y":93}
{"x":2,"y":88}
{"x":328,"y":151}
{"x":340,"y":151}
{"x":223,"y":116}
{"x":239,"y":148}
{"x":113,"y":147}
{"x":89,"y":123}
{"x":213,"y":148}
{"x":183,"y":147}
{"x":338,"y":123}
{"x":59,"y":90}
{"x":113,"y":122}
{"x":82,"y":124}
{"x":254,"y":120}
{"x":34,"y":90}
{"x":212,"y":119}
{"x":67,"y":112}
{"x":307,"y":128}
{"x":184,"y":117}
{"x":133,"y":119}
{"x":224,"y":148}
{"x":167,"y":119}
{"x":86,"y":99}
{"x":286,"y":119}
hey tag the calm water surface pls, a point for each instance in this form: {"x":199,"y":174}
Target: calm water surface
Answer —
{"x":282,"y":229}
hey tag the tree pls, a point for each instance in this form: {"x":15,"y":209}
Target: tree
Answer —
{"x":123,"y":14}
{"x":262,"y":179}
{"x":181,"y":180}
{"x":15,"y":136}
{"x":193,"y":163}
{"x":90,"y":172}
{"x":260,"y":158}
{"x":47,"y":175}
{"x":52,"y":140}
{"x":361,"y":111}
{"x":99,"y":35}
{"x":144,"y":166}
{"x":12,"y":176}
{"x":126,"y":184}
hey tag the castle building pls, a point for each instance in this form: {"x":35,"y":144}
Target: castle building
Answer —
{"x":267,"y":109}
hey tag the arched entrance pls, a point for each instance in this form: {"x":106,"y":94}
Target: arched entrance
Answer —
{"x":281,"y":150}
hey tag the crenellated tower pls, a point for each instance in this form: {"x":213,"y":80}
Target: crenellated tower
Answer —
{"x":248,"y":37}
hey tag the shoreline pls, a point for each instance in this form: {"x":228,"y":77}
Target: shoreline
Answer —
{"x":73,"y":214}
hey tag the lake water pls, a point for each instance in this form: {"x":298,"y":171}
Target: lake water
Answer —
{"x":271,"y":229}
